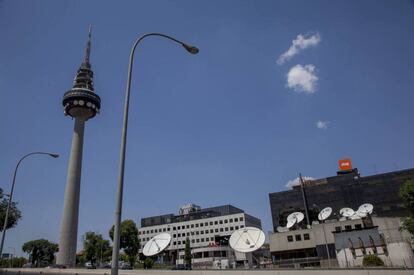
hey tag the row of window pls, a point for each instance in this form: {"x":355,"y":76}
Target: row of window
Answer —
{"x":187,"y":234}
{"x":194,"y":225}
{"x":298,"y":237}
{"x":348,"y":227}
{"x":211,"y":239}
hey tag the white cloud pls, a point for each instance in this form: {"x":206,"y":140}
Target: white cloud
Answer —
{"x":322,"y":124}
{"x":302,"y":78}
{"x":296,"y":182}
{"x":300,"y":43}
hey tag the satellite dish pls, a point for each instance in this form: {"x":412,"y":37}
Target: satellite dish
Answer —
{"x":291,"y":222}
{"x":360,"y":214}
{"x":298,"y":216}
{"x":366,"y":208}
{"x":247,"y":239}
{"x":356,"y":216}
{"x":346,"y":212}
{"x":157,"y":244}
{"x":282,"y":229}
{"x":325,"y":213}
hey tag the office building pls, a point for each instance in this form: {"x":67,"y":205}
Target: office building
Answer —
{"x":208,"y":230}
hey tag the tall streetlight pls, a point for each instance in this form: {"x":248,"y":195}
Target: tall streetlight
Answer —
{"x":118,"y":211}
{"x":11,"y":194}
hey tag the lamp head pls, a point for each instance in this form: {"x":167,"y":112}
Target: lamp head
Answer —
{"x":54,"y":155}
{"x":191,"y":49}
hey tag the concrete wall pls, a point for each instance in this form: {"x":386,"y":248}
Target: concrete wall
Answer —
{"x":211,"y":272}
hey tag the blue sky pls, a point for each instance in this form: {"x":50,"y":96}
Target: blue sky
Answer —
{"x":221,"y":127}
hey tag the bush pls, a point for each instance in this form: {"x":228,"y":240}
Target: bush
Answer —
{"x":148,"y":263}
{"x":372,"y":260}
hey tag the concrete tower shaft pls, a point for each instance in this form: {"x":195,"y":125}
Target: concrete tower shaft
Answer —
{"x":81,"y":103}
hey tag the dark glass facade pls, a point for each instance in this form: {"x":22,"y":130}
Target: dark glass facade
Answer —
{"x":346,"y":190}
{"x":197,"y":215}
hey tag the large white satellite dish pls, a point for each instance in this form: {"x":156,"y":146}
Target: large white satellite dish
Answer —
{"x":298,"y":216}
{"x":291,"y":222}
{"x":247,"y":239}
{"x":157,"y":244}
{"x":347,"y":212}
{"x":325,"y":213}
{"x":366,"y":208}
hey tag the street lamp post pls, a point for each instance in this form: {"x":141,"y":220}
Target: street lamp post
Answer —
{"x":6,"y":218}
{"x":118,"y":210}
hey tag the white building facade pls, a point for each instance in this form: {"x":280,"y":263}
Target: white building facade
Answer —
{"x":208,"y":231}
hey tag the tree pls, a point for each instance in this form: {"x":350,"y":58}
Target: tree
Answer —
{"x":372,"y":260}
{"x":187,"y":254}
{"x":42,"y":252}
{"x":129,"y":240}
{"x":14,"y":213}
{"x":407,"y":195}
{"x":95,"y":247}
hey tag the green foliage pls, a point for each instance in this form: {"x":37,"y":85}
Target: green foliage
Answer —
{"x":14,"y":213}
{"x":15,"y":262}
{"x":372,"y":260}
{"x":148,"y":263}
{"x":129,"y":240}
{"x":42,"y":252}
{"x":407,"y":195}
{"x":95,"y":248}
{"x":187,"y":253}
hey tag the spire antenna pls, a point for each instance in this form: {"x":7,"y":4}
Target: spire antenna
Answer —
{"x":88,"y":46}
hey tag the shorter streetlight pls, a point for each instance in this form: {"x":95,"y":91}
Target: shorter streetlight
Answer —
{"x":6,"y":219}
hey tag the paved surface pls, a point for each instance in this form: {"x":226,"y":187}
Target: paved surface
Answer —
{"x":47,"y":271}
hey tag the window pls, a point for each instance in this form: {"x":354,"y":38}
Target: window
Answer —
{"x":197,"y":232}
{"x":358,"y":226}
{"x":179,"y":242}
{"x":188,"y":226}
{"x":220,"y":222}
{"x":164,"y":229}
{"x":226,"y":229}
{"x":306,"y":236}
{"x":241,"y":219}
{"x":241,"y":226}
{"x":178,"y":227}
{"x":174,"y":228}
{"x":290,"y":238}
{"x":179,"y":235}
{"x":211,"y":223}
{"x":152,"y":230}
{"x":221,"y":229}
{"x":174,"y":235}
{"x":202,"y":240}
{"x":298,"y":237}
{"x":192,"y":241}
{"x":201,"y":224}
{"x":198,"y":240}
{"x":196,"y":224}
{"x":201,"y":232}
{"x":206,"y":224}
{"x":169,"y":229}
{"x":337,"y":228}
{"x":215,"y":222}
{"x":348,"y":227}
{"x":231,"y":220}
{"x":236,"y":227}
{"x":231,"y":228}
{"x":174,"y":243}
{"x":226,"y":221}
{"x":192,"y":226}
{"x":211,"y":230}
{"x":216,"y":230}
{"x":236,"y":220}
